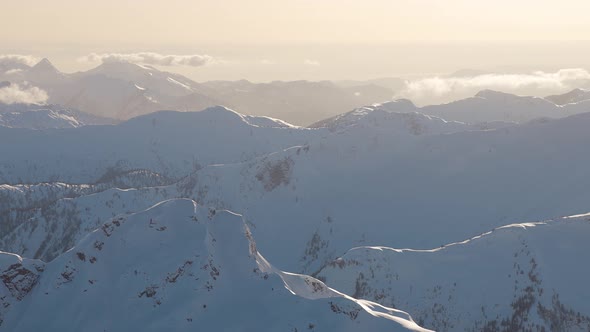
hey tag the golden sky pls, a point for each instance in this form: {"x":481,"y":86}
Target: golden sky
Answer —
{"x":264,"y":40}
{"x":271,"y":21}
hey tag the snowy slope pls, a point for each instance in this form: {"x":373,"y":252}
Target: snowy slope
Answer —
{"x":145,"y":77}
{"x":491,"y":105}
{"x":488,"y":108}
{"x":374,"y":183}
{"x":369,"y":178}
{"x":19,"y":276}
{"x":350,"y":118}
{"x":401,"y":116}
{"x":45,"y":220}
{"x":518,"y":277}
{"x":99,"y":94}
{"x":178,"y":267}
{"x":46,"y":117}
{"x":118,"y":90}
{"x":47,"y":230}
{"x":27,"y":196}
{"x":125,"y":90}
{"x":169,"y":143}
{"x":378,"y":186}
{"x":53,"y":225}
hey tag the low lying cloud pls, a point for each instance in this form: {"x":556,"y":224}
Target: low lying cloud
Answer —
{"x":309,"y":62}
{"x":22,"y":93}
{"x":441,"y":89}
{"x":13,"y":71}
{"x":151,"y":58}
{"x":16,"y":60}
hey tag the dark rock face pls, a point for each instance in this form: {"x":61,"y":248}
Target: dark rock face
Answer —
{"x":20,"y":280}
{"x":274,"y":174}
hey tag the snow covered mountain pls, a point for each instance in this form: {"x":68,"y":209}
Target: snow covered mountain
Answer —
{"x":491,"y":105}
{"x":127,"y":90}
{"x":322,"y":186}
{"x":511,"y":276}
{"x":93,"y":93}
{"x":370,"y":179}
{"x":124,"y":90}
{"x":400,"y":116}
{"x":379,"y":186}
{"x":146,"y":77}
{"x":46,"y":117}
{"x":84,"y":155}
{"x":520,"y":277}
{"x":176,"y":267}
{"x":488,"y":109}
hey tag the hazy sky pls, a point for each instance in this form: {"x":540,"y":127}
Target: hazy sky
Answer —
{"x":312,"y":39}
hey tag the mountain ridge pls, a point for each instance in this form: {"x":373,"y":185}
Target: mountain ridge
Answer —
{"x":213,"y":267}
{"x":122,"y":90}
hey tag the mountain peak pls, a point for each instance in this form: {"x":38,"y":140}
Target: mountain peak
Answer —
{"x":118,"y":65}
{"x":215,"y":115}
{"x":221,"y":114}
{"x":488,"y":94}
{"x":44,"y":66}
{"x":574,"y":96}
{"x":123,"y":70}
{"x":124,"y":66}
{"x":398,"y":105}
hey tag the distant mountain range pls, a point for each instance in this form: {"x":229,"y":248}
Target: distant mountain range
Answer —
{"x":122,"y":90}
{"x":487,"y":108}
{"x":468,"y":216}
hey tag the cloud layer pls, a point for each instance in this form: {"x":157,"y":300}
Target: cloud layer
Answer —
{"x":17,"y":60}
{"x":22,"y":93}
{"x":441,"y":89}
{"x":151,"y":58}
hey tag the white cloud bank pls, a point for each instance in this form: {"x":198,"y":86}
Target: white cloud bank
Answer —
{"x":151,"y":58}
{"x":22,"y":93}
{"x":15,"y":60}
{"x":442,"y":89}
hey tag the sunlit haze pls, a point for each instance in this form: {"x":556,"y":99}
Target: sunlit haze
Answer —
{"x":265,"y":40}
